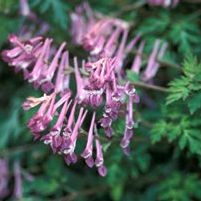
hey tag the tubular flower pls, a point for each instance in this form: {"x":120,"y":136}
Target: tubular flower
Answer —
{"x":163,"y":3}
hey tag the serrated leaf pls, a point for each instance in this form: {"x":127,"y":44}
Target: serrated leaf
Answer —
{"x":194,"y":102}
{"x":158,"y":131}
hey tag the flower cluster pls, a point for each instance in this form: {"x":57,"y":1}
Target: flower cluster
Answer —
{"x":62,"y":113}
{"x":164,"y":3}
{"x":47,"y":68}
{"x":34,"y":59}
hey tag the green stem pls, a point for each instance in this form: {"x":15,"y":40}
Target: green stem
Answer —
{"x":150,"y":86}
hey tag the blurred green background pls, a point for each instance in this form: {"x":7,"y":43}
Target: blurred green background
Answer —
{"x":165,"y":160}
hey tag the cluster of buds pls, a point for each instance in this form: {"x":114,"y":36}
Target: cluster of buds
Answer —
{"x":163,"y":3}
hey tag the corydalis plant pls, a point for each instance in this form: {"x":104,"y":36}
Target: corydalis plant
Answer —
{"x":47,"y":69}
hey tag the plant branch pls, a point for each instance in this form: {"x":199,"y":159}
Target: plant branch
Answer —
{"x":150,"y":86}
{"x":91,"y":191}
{"x":14,"y":150}
{"x":130,"y":7}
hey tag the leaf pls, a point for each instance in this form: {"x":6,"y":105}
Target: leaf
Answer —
{"x":58,"y":10}
{"x":178,"y":90}
{"x":194,"y":102}
{"x":11,"y":126}
{"x":45,"y":186}
{"x":117,"y":191}
{"x":180,"y":187}
{"x":192,"y":139}
{"x":158,"y":131}
{"x":132,"y":76}
{"x":181,"y":88}
{"x":8,"y":25}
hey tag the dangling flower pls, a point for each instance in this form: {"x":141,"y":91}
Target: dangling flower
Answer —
{"x":99,"y":162}
{"x":87,"y":153}
{"x":129,"y":125}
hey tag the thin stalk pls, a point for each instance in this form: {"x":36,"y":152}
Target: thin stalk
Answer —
{"x":150,"y":86}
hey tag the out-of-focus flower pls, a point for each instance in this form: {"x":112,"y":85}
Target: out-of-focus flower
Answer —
{"x":18,"y":181}
{"x":106,"y":37}
{"x":78,"y":20}
{"x":33,"y":25}
{"x":153,"y":63}
{"x":102,"y":36}
{"x":4,"y":178}
{"x":24,"y":8}
{"x":164,"y":3}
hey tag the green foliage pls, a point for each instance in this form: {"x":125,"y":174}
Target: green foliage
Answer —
{"x":180,"y":187}
{"x":57,"y":8}
{"x":10,"y":125}
{"x":184,"y":92}
{"x":7,"y":26}
{"x":187,"y":87}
